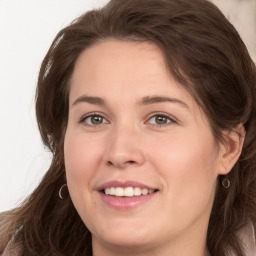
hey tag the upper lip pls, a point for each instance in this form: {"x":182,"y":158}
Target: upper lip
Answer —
{"x":124,"y":184}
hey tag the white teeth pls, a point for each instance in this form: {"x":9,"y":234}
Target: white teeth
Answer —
{"x":151,"y":191}
{"x":112,"y":191}
{"x":144,"y":191}
{"x":119,"y":191}
{"x":136,"y":191}
{"x":107,"y":191}
{"x":128,"y":191}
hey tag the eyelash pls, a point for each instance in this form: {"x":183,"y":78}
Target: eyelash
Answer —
{"x":82,"y":120}
{"x":170,"y":119}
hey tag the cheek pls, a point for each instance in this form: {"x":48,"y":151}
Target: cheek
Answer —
{"x":188,"y":166}
{"x":81,"y":153}
{"x":188,"y":153}
{"x":82,"y":156}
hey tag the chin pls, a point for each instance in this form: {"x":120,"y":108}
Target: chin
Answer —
{"x":126,"y":234}
{"x":129,"y":241}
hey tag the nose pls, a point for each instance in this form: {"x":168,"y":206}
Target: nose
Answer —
{"x":124,"y":149}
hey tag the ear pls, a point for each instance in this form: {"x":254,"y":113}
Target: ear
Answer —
{"x":231,"y":148}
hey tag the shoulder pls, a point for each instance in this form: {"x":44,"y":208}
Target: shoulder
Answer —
{"x":9,"y":251}
{"x":247,"y":235}
{"x":247,"y":238}
{"x":6,"y":253}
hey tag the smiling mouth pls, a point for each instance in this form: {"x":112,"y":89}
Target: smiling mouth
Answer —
{"x":128,"y":191}
{"x":127,"y":194}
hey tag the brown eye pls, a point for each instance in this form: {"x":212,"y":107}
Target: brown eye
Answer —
{"x":160,"y":120}
{"x":94,"y":120}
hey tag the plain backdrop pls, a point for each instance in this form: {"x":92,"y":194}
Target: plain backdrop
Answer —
{"x":27,"y":29}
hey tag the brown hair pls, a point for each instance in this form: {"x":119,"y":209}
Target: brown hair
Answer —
{"x":205,"y":54}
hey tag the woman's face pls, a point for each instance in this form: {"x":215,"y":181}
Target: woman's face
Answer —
{"x":141,"y":160}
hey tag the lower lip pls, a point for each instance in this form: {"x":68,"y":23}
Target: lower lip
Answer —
{"x":126,"y":202}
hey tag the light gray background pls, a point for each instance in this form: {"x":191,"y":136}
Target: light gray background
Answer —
{"x":27,"y":29}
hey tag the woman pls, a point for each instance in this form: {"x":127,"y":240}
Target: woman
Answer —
{"x":148,"y":107}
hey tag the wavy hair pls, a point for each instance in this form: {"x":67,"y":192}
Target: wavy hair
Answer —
{"x":205,"y":54}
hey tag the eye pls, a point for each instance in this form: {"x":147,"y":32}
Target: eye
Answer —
{"x":160,"y":119}
{"x":93,"y":120}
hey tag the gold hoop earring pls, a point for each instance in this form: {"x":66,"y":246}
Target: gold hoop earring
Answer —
{"x":60,"y":192}
{"x":225,"y":183}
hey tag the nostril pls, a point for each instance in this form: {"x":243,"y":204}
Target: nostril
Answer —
{"x":109,"y":163}
{"x":123,"y":164}
{"x":131,"y":162}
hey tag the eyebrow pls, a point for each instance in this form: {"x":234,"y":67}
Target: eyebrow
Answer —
{"x":159,"y":99}
{"x":147,"y":100}
{"x":89,"y":99}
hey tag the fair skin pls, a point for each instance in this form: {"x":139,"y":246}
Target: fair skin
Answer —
{"x":130,"y":121}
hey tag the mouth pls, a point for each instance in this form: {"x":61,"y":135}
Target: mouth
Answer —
{"x":127,"y":191}
{"x":126,"y":195}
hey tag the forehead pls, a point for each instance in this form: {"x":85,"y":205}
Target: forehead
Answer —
{"x":115,"y":65}
{"x":119,"y":59}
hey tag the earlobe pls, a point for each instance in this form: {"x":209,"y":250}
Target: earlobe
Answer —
{"x":231,"y":148}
